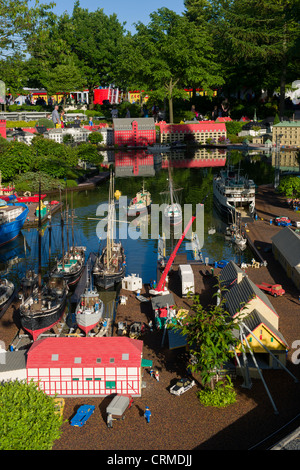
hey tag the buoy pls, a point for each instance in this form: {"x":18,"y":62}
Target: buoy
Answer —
{"x":117,"y":194}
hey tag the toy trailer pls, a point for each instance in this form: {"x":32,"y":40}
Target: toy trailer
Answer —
{"x":118,"y":406}
{"x":187,"y":279}
{"x":273,"y":289}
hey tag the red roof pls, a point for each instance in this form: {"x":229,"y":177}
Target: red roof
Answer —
{"x":61,"y":351}
{"x":223,"y":119}
{"x":202,"y":126}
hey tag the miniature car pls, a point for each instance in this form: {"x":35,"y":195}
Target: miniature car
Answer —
{"x":221,"y":264}
{"x":283,"y":221}
{"x":82,"y":415}
{"x":182,"y":386}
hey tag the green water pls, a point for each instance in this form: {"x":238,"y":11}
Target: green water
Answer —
{"x":141,"y":254}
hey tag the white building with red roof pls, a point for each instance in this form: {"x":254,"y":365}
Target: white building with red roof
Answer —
{"x":86,"y":366}
{"x":198,"y":131}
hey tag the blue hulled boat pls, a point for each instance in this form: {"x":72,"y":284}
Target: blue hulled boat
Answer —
{"x":12,"y":219}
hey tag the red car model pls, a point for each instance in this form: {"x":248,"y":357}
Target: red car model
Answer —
{"x":283,"y":221}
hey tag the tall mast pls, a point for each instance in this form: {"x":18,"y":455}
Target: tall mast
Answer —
{"x":62,"y":232}
{"x":67,"y":222}
{"x":40,"y":246}
{"x":72,"y":211}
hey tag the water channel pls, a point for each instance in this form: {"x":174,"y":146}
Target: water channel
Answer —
{"x":192,"y":172}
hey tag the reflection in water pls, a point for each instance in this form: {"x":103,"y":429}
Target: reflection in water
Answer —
{"x":193,"y":172}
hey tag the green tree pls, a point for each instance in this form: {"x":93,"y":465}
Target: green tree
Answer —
{"x":209,"y":333}
{"x":17,"y":21}
{"x":95,"y":41}
{"x":290,"y":186}
{"x":27,"y":420}
{"x":64,"y":78}
{"x":167,"y":55}
{"x":257,"y":38}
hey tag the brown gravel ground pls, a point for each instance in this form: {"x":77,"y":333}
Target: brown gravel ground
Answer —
{"x":181,"y":423}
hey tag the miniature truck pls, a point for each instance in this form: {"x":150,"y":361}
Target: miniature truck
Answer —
{"x":186,"y":275}
{"x":118,"y":406}
{"x":274,"y":289}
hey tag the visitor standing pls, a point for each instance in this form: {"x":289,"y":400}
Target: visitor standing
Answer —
{"x":56,"y":116}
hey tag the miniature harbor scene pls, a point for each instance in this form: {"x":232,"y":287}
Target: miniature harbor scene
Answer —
{"x":153,"y":278}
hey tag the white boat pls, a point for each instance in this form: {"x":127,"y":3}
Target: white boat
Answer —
{"x":140,"y":203}
{"x":234,"y":192}
{"x":7,"y":289}
{"x":238,"y":239}
{"x":89,"y":310}
{"x":172,"y":211}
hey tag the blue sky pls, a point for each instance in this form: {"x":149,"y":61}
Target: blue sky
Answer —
{"x":130,"y":11}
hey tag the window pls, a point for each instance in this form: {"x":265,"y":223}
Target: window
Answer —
{"x":111,"y":384}
{"x":98,"y":360}
{"x":125,"y":357}
{"x":77,"y":360}
{"x":54,"y":357}
{"x":112,"y":360}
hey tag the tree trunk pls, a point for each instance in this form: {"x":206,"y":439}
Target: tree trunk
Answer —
{"x":282,"y":91}
{"x":170,"y":87}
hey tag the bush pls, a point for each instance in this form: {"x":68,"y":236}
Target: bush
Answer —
{"x":28,"y":420}
{"x":95,"y":137}
{"x":13,"y":124}
{"x":221,"y":396}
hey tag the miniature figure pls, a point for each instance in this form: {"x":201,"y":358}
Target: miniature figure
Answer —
{"x":157,"y":375}
{"x":147,"y":414}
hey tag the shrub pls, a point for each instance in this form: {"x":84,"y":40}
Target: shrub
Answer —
{"x":28,"y":420}
{"x":221,"y":396}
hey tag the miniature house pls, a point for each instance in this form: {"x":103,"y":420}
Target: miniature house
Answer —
{"x":86,"y":366}
{"x":246,"y":302}
{"x":243,"y":296}
{"x":132,"y":283}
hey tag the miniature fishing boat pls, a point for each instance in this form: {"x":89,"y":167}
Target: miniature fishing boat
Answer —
{"x":72,"y":263}
{"x":44,"y":307}
{"x":89,"y":310}
{"x":140,"y":204}
{"x":110,"y":265}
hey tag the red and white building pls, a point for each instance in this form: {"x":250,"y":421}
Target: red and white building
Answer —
{"x":199,"y":131}
{"x":134,"y":132}
{"x":81,"y":366}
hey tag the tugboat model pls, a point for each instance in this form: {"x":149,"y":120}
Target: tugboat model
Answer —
{"x":89,"y":310}
{"x":140,"y":204}
{"x":109,"y":268}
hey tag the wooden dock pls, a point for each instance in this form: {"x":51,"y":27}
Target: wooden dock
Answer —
{"x":33,"y":219}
